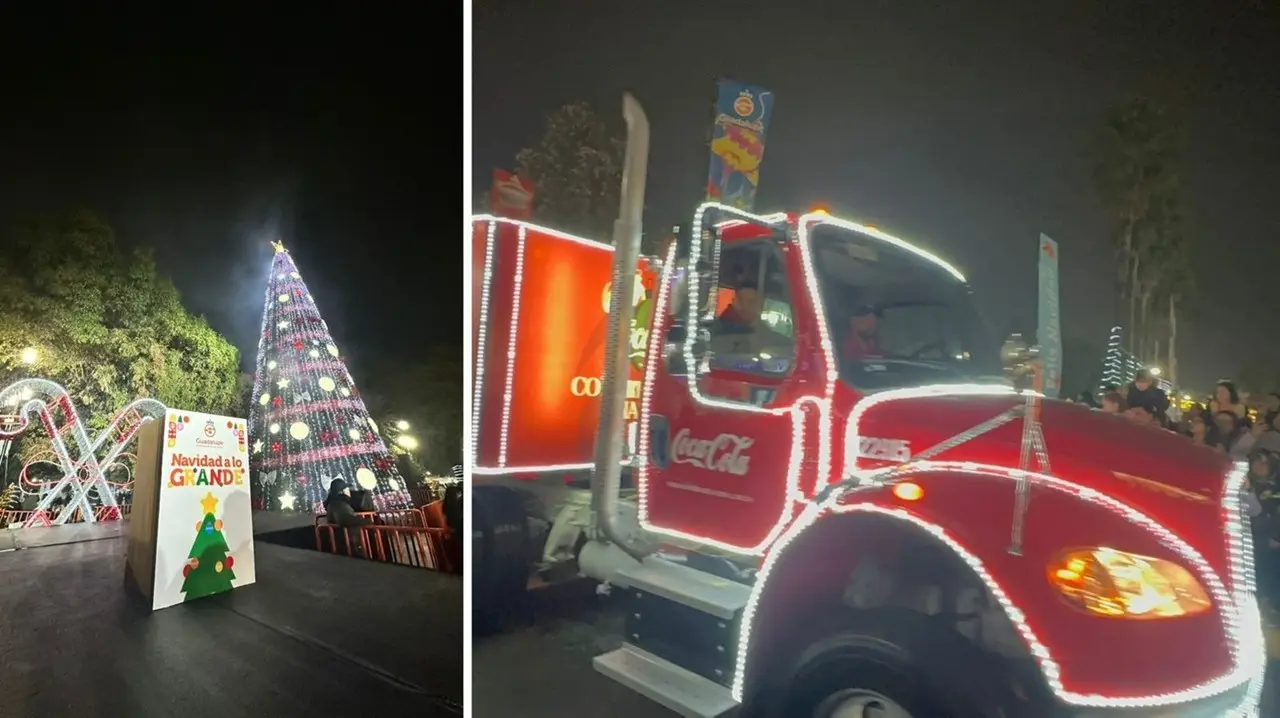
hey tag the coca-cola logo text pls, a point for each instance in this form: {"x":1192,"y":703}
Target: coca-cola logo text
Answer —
{"x":725,"y":453}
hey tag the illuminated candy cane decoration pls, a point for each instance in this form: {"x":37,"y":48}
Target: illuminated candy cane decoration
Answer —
{"x":30,"y":486}
{"x":42,"y":399}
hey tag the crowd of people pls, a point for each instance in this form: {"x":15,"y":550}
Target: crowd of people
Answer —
{"x":1224,"y":424}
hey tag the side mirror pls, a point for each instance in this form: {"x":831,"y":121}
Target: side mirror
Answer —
{"x":673,"y":350}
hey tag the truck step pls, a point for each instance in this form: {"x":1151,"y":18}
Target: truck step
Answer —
{"x":665,"y":683}
{"x":696,"y":589}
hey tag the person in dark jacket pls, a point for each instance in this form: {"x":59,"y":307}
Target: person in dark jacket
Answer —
{"x":1145,"y":393}
{"x":1263,"y":483}
{"x":337,"y":507}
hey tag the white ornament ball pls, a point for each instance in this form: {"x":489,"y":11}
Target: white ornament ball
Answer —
{"x":372,"y":425}
{"x":271,"y":364}
{"x":294,"y":275}
{"x":344,"y":391}
{"x":274,"y":428}
{"x":355,"y":435}
{"x":366,"y":479}
{"x":282,"y":298}
{"x":314,"y":354}
{"x":327,"y":383}
{"x":395,"y":485}
{"x":333,"y":350}
{"x":299,"y":430}
{"x":266,"y":399}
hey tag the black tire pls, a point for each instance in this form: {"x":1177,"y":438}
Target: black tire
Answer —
{"x":500,"y":556}
{"x":910,"y":659}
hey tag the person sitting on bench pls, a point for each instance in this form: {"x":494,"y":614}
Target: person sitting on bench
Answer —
{"x":337,"y":507}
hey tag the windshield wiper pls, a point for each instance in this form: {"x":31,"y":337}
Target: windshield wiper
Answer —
{"x":920,"y":363}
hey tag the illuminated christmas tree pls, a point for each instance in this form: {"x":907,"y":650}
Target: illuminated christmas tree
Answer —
{"x":308,"y":424}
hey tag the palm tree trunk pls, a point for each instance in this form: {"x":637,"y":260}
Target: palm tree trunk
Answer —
{"x":1122,"y":271}
{"x":1173,"y":339}
{"x":1140,"y":329}
{"x":1131,"y":330}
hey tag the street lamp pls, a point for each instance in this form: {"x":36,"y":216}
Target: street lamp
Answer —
{"x":402,"y":425}
{"x":406,"y":442}
{"x":1155,"y":371}
{"x":30,"y":355}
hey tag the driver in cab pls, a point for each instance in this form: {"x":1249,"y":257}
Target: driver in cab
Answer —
{"x":863,"y":338}
{"x":739,"y":330}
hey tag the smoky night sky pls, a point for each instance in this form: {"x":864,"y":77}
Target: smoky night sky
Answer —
{"x":207,"y":137}
{"x":962,"y":126}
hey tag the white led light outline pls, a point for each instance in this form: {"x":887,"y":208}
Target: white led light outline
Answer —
{"x":513,"y":333}
{"x":771,"y":218}
{"x":653,"y":355}
{"x":536,"y":469}
{"x":1243,"y":583}
{"x":791,"y":489}
{"x":853,"y":428}
{"x":1227,"y":601}
{"x":1246,"y":644}
{"x":540,"y":229}
{"x":821,"y":218}
{"x":695,"y":305}
{"x":481,"y":339}
{"x":804,"y":225}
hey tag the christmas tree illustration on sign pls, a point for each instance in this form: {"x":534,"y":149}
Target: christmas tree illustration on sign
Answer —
{"x":208,"y":568}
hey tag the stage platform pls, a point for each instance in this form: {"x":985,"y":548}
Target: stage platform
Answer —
{"x":317,"y":635}
{"x":264,"y":522}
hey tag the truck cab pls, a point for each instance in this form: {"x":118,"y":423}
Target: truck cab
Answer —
{"x":929,"y":541}
{"x":838,"y":508}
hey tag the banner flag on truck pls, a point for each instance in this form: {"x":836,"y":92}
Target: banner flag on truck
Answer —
{"x":737,"y":143}
{"x":511,"y":196}
{"x":1049,"y":320}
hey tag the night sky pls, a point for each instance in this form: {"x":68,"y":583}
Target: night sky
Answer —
{"x":208,"y":137}
{"x":961,"y":126}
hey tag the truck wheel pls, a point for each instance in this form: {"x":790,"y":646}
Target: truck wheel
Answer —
{"x":500,"y":556}
{"x":885,"y":663}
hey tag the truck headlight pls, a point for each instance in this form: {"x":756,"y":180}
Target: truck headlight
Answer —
{"x":1118,"y":584}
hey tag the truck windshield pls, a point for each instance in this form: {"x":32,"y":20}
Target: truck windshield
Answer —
{"x":898,"y":319}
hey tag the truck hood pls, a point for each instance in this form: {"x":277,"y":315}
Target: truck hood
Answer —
{"x":1155,"y":471}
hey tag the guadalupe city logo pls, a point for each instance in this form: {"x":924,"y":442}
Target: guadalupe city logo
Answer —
{"x":209,"y":438}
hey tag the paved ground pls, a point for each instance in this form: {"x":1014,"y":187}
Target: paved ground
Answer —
{"x":543,"y":669}
{"x":317,"y":635}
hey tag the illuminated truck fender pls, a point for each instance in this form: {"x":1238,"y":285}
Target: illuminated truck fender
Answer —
{"x":936,"y":530}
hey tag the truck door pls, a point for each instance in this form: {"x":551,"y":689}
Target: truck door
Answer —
{"x":722,"y":468}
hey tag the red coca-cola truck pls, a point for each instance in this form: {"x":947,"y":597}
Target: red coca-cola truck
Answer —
{"x":836,"y":506}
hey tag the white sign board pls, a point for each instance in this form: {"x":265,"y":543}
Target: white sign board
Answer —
{"x":204,"y":527}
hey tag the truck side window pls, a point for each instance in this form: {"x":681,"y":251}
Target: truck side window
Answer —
{"x":752,"y":332}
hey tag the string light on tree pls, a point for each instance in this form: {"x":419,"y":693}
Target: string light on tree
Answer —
{"x":308,"y":422}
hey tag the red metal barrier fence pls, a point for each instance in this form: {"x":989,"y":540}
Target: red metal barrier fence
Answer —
{"x":409,"y":537}
{"x":26,"y":519}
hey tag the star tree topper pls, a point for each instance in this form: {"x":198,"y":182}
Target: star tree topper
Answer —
{"x":209,"y":503}
{"x":279,"y":246}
